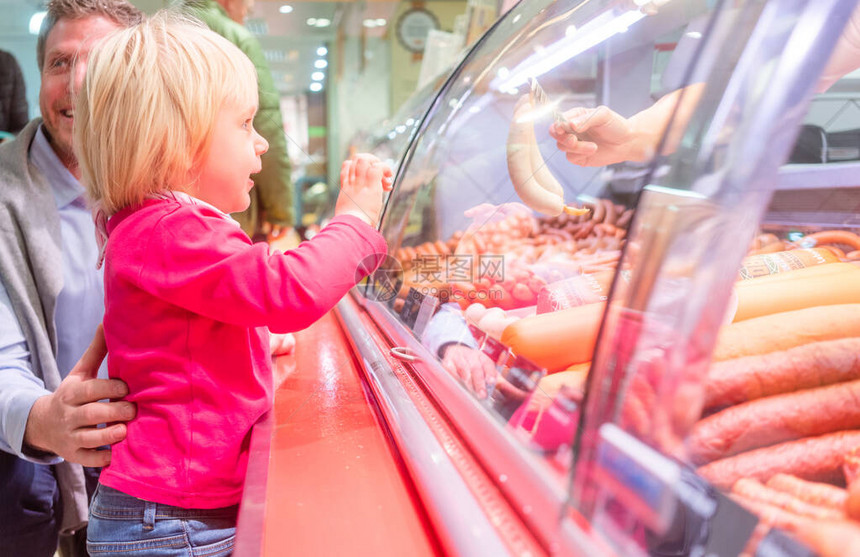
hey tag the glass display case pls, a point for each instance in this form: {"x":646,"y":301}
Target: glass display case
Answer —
{"x":637,"y":343}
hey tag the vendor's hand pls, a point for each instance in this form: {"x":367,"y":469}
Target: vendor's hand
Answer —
{"x":471,"y":366}
{"x":601,"y":137}
{"x":64,"y":422}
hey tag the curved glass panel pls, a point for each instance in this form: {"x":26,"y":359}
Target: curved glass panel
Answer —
{"x":477,"y":220}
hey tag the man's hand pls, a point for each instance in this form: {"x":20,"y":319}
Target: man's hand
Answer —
{"x":64,"y":422}
{"x":601,"y":137}
{"x":472,"y":366}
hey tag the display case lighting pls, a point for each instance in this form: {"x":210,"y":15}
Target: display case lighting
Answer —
{"x":598,"y":30}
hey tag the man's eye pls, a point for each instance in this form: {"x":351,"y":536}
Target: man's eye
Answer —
{"x":58,"y":63}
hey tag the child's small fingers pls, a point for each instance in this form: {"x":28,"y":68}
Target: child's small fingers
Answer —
{"x":387,"y":183}
{"x":362,"y":166}
{"x":352,"y":171}
{"x":367,"y":157}
{"x":386,"y":170}
{"x":374,"y":175}
{"x":344,"y":172}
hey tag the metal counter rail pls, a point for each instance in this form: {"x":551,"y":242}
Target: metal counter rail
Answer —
{"x":450,"y":497}
{"x":539,"y":498}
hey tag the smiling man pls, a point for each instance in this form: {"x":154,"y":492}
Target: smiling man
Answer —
{"x":51,"y":305}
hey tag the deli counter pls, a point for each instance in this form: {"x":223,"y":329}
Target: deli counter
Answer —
{"x":651,"y":348}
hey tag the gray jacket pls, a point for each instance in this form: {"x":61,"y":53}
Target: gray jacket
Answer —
{"x":31,"y":273}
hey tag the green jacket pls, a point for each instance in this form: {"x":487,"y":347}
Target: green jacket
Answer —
{"x":273,"y":188}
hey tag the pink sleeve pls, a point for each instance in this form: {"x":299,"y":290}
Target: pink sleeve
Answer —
{"x":208,"y":266}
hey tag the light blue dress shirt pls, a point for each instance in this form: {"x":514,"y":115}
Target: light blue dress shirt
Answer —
{"x":80,"y":305}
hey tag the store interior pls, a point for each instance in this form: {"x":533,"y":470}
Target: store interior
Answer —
{"x":341,"y":68}
{"x":615,"y":299}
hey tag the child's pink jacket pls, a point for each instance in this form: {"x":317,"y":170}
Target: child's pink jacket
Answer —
{"x":188,"y":300}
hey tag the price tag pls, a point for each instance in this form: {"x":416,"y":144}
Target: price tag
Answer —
{"x":411,"y":308}
{"x":494,"y":350}
{"x":477,"y":333}
{"x":426,"y":309}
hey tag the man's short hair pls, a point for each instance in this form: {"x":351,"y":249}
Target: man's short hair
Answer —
{"x":119,"y":11}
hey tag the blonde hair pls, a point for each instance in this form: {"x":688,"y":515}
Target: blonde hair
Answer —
{"x":148,"y":104}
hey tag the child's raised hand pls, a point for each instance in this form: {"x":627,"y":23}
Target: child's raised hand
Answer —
{"x":363,"y":179}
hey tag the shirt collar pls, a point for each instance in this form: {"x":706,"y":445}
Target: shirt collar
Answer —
{"x":64,"y":186}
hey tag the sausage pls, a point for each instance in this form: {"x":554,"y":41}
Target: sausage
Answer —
{"x":840,"y":237}
{"x":814,"y":458}
{"x":851,"y":466}
{"x":820,"y":285}
{"x":781,"y":331}
{"x":624,"y":219}
{"x":830,"y":538}
{"x":816,"y":493}
{"x":755,"y":490}
{"x":598,"y":211}
{"x":558,"y":339}
{"x":802,"y":367}
{"x":775,"y":419}
{"x":611,"y":215}
{"x":532,"y":181}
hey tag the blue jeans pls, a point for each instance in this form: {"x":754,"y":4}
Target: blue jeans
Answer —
{"x":124,"y":525}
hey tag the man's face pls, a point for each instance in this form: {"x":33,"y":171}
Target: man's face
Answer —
{"x":67,"y":49}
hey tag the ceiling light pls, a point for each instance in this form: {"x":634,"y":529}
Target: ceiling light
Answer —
{"x":320,"y":64}
{"x":322,"y":51}
{"x":380,"y":22}
{"x":323,"y":22}
{"x":369,"y":23}
{"x":318,"y":76}
{"x":285,"y":9}
{"x":312,"y":21}
{"x":316,"y":87}
{"x":36,"y":22}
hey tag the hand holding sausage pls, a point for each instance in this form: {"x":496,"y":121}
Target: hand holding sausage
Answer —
{"x":601,"y":137}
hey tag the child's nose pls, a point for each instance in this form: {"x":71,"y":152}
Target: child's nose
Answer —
{"x":261,"y":145}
